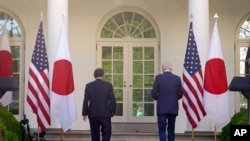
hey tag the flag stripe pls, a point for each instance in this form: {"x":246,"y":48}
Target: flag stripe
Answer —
{"x":40,"y":80}
{"x":193,"y":96}
{"x":39,"y":97}
{"x":192,"y":82}
{"x":190,"y":114}
{"x":42,"y":97}
{"x":38,"y":83}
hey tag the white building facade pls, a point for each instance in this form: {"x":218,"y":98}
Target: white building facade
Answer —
{"x":119,"y":36}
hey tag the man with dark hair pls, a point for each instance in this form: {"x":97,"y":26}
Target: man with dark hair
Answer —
{"x":98,"y":73}
{"x":99,"y":105}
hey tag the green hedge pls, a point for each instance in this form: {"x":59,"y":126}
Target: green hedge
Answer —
{"x":3,"y":131}
{"x":9,"y":126}
{"x":239,"y":118}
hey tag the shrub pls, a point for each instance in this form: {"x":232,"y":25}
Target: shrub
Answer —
{"x":239,"y":118}
{"x":9,"y":126}
{"x":3,"y":131}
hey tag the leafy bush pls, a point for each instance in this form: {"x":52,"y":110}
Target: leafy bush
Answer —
{"x":3,"y":131}
{"x":9,"y":126}
{"x":239,"y":118}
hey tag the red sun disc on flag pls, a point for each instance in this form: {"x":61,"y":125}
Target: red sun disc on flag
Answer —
{"x":215,"y":75}
{"x":63,"y":83}
{"x":6,"y":63}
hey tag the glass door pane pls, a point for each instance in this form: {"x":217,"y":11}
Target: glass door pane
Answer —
{"x":244,"y":69}
{"x":112,"y":61}
{"x":131,"y":68}
{"x":143,"y":69}
{"x":17,"y":50}
{"x":14,"y":106}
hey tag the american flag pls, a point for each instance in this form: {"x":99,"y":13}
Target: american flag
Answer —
{"x":38,"y":82}
{"x":192,"y":82}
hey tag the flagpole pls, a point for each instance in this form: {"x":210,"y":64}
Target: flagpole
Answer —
{"x":215,"y":133}
{"x":61,"y":134}
{"x":37,"y":134}
{"x":192,"y":134}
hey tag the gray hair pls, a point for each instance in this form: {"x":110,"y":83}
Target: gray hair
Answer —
{"x":166,"y":66}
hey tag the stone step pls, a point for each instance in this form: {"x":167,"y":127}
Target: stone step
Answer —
{"x":84,"y":135}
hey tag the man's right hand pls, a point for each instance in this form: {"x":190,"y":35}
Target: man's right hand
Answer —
{"x":84,"y":118}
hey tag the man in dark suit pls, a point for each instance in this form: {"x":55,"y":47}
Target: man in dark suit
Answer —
{"x":167,"y":90}
{"x":99,"y":105}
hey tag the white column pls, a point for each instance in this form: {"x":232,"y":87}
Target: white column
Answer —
{"x":57,"y":13}
{"x":198,"y":12}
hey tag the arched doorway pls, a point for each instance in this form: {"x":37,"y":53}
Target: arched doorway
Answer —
{"x":16,"y":40}
{"x":242,"y":55}
{"x":128,"y":51}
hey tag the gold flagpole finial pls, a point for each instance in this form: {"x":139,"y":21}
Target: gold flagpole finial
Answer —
{"x":216,"y":17}
{"x":41,"y":15}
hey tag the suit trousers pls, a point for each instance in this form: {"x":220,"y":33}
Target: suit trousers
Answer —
{"x":166,"y":121}
{"x":103,"y":124}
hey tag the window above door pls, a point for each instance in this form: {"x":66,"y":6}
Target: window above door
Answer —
{"x":11,"y":25}
{"x":129,"y":24}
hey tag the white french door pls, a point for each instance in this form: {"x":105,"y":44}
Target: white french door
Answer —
{"x":241,"y":60}
{"x":130,"y":67}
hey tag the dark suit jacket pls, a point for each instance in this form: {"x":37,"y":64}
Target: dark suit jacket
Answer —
{"x":167,"y":90}
{"x":99,"y":99}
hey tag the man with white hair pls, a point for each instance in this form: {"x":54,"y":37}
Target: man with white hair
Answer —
{"x":167,"y":90}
